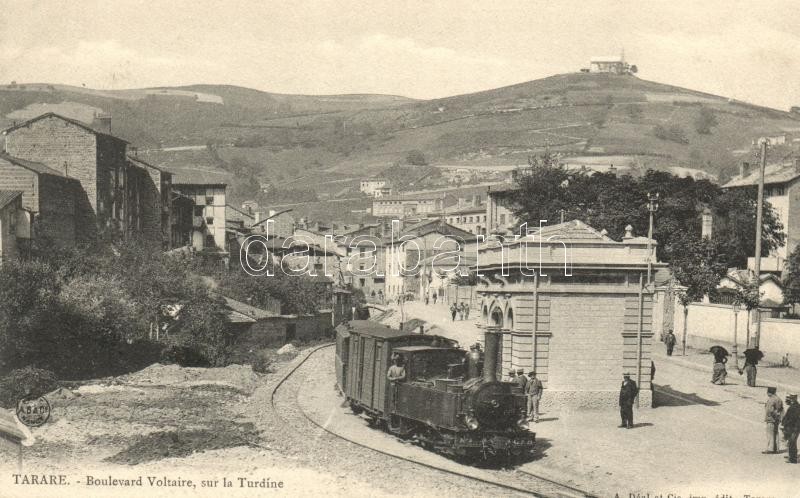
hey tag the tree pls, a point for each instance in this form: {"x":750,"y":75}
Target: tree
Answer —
{"x":696,"y":267}
{"x":791,"y":278}
{"x":749,"y":296}
{"x":705,"y":120}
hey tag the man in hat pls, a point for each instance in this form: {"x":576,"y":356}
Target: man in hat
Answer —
{"x":534,"y":392}
{"x":627,"y":395}
{"x":750,"y":369}
{"x":791,"y":426}
{"x":521,"y":379}
{"x":773,"y":412}
{"x":511,"y":377}
{"x":670,"y":341}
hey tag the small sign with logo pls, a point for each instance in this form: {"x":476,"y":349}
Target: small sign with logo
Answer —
{"x":33,"y":412}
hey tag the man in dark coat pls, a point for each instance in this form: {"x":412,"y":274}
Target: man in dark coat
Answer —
{"x":791,"y":426}
{"x":627,"y":395}
{"x":773,"y":411}
{"x":670,"y":341}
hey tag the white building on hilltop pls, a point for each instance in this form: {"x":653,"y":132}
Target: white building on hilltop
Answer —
{"x":614,"y":64}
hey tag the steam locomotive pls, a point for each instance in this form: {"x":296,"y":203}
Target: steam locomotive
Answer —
{"x":450,"y":401}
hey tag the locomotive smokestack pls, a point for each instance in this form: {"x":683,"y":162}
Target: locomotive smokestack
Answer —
{"x":491,"y":349}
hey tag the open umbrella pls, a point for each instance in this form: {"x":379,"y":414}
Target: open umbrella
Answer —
{"x":718,"y":351}
{"x":753,"y":355}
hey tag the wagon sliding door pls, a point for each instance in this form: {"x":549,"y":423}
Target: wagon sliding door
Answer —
{"x":368,"y":372}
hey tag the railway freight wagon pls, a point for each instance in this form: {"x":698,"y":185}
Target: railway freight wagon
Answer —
{"x":448,"y":401}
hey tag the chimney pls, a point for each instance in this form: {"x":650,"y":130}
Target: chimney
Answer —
{"x":256,"y":217}
{"x":102,"y":123}
{"x":744,"y":169}
{"x":628,"y":232}
{"x":491,"y":346}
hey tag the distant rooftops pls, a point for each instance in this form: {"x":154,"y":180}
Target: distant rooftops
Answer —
{"x":30,"y":165}
{"x":773,"y":173}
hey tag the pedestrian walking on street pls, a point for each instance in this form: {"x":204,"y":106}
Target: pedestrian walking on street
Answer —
{"x":627,"y":395}
{"x":453,"y":311}
{"x":791,"y":426}
{"x":534,"y":393}
{"x":435,"y":294}
{"x":460,"y":312}
{"x":466,"y":311}
{"x":773,"y":413}
{"x":426,"y":299}
{"x":670,"y":341}
{"x":719,"y":373}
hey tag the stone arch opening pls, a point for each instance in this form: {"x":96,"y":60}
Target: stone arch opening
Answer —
{"x":496,"y":318}
{"x":509,"y":324}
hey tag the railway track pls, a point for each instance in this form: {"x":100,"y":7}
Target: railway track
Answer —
{"x":287,"y":410}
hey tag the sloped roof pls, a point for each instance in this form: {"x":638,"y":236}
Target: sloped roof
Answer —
{"x":436,"y":226}
{"x":145,"y":164}
{"x":247,"y":310}
{"x":741,"y":277}
{"x":6,"y":196}
{"x":38,"y":168}
{"x":773,"y":173}
{"x":68,"y":120}
{"x":232,"y":213}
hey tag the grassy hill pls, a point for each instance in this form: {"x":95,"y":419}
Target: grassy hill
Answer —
{"x":328,"y":142}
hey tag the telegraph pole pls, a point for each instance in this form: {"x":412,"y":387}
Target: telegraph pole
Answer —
{"x":759,"y":215}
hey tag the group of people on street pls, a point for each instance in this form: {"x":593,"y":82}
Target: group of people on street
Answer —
{"x":790,"y":421}
{"x":428,"y":298}
{"x":462,"y":310}
{"x":532,"y":387}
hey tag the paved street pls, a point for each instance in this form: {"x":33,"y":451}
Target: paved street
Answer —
{"x":700,"y":439}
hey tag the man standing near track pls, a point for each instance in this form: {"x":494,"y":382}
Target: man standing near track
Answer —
{"x":627,"y":395}
{"x":774,"y":411}
{"x":791,"y":426}
{"x":534,"y":392}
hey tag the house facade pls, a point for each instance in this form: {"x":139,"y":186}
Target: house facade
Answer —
{"x":402,"y":206}
{"x":370,"y":185}
{"x":499,"y":216}
{"x":49,"y":199}
{"x":576,"y":309}
{"x":782,"y":191}
{"x":208,"y":216}
{"x":12,"y":225}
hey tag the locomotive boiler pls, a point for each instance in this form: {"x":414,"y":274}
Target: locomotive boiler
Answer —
{"x":450,"y":401}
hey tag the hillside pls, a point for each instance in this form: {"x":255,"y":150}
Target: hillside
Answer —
{"x":339,"y":138}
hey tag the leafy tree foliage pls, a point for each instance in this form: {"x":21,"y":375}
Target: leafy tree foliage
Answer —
{"x":610,"y":202}
{"x":292,"y":293}
{"x":791,"y":278}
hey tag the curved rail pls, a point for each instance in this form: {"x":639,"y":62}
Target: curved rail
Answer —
{"x":564,"y":489}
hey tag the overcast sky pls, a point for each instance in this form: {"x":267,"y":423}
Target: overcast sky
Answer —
{"x":746,"y":50}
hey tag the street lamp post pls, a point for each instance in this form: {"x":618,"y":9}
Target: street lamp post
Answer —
{"x":652,"y":207}
{"x":735,"y":349}
{"x":759,"y":215}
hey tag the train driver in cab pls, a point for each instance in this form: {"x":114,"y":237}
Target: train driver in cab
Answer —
{"x":397,"y":372}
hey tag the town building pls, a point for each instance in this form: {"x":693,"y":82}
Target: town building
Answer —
{"x":406,"y":251}
{"x":782,"y":191}
{"x":499,"y":216}
{"x":575,"y":306}
{"x":12,"y":225}
{"x":469,"y":216}
{"x":208,"y":223}
{"x":151,"y":201}
{"x":49,"y":200}
{"x":370,"y":185}
{"x":364,"y":263}
{"x":402,"y":206}
{"x":95,"y":158}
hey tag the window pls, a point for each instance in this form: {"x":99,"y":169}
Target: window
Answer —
{"x":209,"y":220}
{"x":210,"y":241}
{"x":209,"y":200}
{"x":198,"y":210}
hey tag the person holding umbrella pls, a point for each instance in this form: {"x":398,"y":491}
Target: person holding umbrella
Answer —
{"x":720,"y":358}
{"x":751,"y":358}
